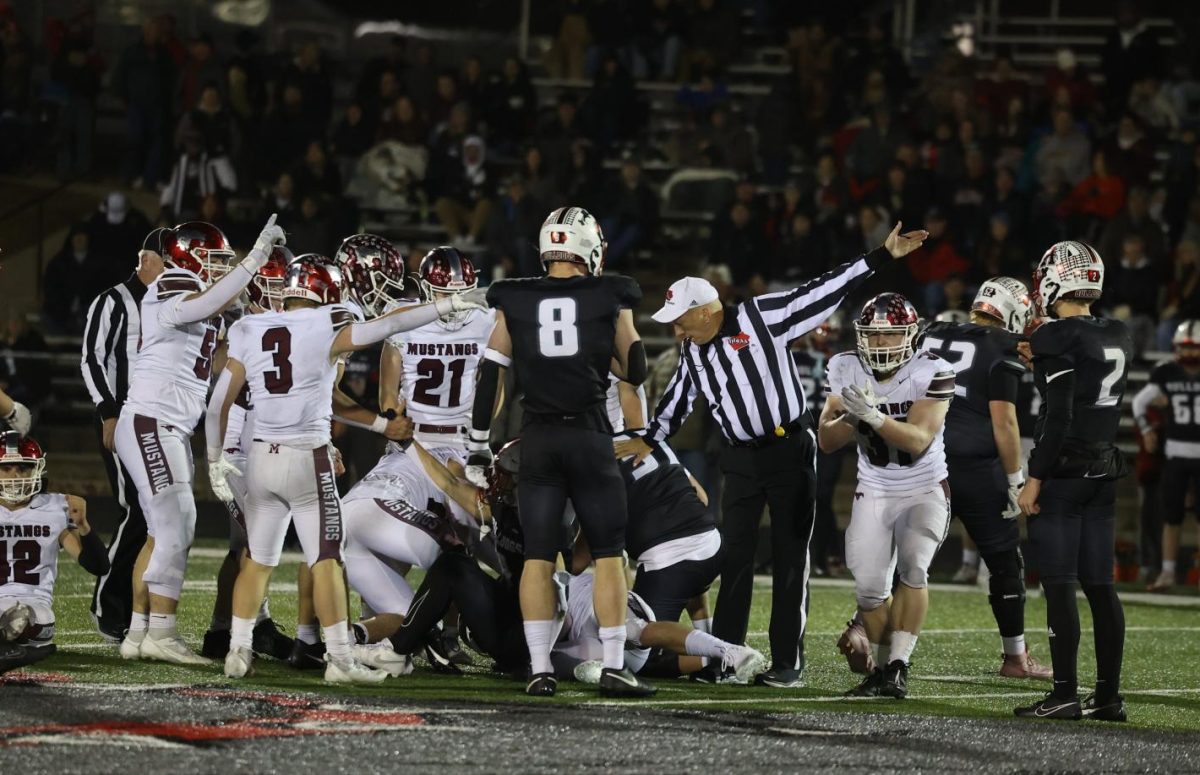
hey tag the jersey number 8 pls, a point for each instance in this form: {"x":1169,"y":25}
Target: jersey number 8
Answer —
{"x":557,"y":335}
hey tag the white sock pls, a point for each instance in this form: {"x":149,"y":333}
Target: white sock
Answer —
{"x":162,"y":625}
{"x":1168,"y":566}
{"x":337,"y":640}
{"x":703,"y":625}
{"x":264,"y":611}
{"x":701,"y":644}
{"x":875,"y":652}
{"x":970,"y":557}
{"x":308,"y":633}
{"x":903,"y":644}
{"x":241,"y":634}
{"x":537,"y":640}
{"x":219,"y":624}
{"x":1014,"y":647}
{"x":613,"y":640}
{"x":138,"y":624}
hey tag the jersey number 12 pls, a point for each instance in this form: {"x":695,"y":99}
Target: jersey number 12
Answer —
{"x":557,"y":335}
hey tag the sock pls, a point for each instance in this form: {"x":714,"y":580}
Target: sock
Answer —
{"x":308,"y":633}
{"x":264,"y":612}
{"x":360,"y":632}
{"x":138,"y":624}
{"x":613,"y":640}
{"x":162,"y":625}
{"x":902,"y":647}
{"x":337,"y":640}
{"x":875,"y":652}
{"x":1169,"y":567}
{"x":701,"y":644}
{"x":1062,"y":620}
{"x":219,"y":624}
{"x":537,"y":639}
{"x":703,"y":625}
{"x":970,"y":557}
{"x":1014,"y":647}
{"x":241,"y":635}
{"x":1108,"y":626}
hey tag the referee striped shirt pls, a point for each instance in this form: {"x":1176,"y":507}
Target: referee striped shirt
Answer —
{"x":745,"y":372}
{"x":110,"y":340}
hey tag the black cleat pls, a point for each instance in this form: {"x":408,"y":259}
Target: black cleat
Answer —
{"x":307,"y":656}
{"x":270,"y":642}
{"x":216,"y":644}
{"x":713,"y":674}
{"x":622,"y":683}
{"x":869,"y":686}
{"x":36,"y":653}
{"x":435,"y":651}
{"x":1052,"y":707}
{"x":780,"y":678}
{"x":895,"y":680}
{"x":542,"y":685}
{"x":452,"y":648}
{"x":1110,"y":710}
{"x":12,"y":656}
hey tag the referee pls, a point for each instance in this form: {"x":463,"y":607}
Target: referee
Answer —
{"x":737,"y":357}
{"x":110,"y":341}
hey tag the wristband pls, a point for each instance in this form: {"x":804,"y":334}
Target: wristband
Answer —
{"x":379,"y":424}
{"x":1143,"y":424}
{"x":1016,"y":478}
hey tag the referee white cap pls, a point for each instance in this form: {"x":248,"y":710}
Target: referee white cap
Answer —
{"x":685,"y":294}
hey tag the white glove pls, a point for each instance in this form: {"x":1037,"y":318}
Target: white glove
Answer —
{"x":218,"y":473}
{"x":860,"y":404}
{"x":1016,"y":481}
{"x":461,"y":302}
{"x":479,"y":457}
{"x":268,"y":238}
{"x":19,"y":419}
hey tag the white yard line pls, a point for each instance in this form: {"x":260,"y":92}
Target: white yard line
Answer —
{"x":1143,"y":598}
{"x":785,"y":697}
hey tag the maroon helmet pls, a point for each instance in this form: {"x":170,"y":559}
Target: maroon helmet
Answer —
{"x":891,"y":315}
{"x":445,"y":270}
{"x":314,"y":277}
{"x":201,"y":248}
{"x":23,"y":451}
{"x":502,"y":474}
{"x":266,"y":289}
{"x":374,"y":272}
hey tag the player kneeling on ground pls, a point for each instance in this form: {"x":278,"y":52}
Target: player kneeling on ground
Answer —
{"x":893,"y":402}
{"x":33,"y":526}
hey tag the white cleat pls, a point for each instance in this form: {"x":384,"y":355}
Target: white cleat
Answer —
{"x":171,"y":649}
{"x":744,"y":661}
{"x":349,"y":671}
{"x":589,"y":672}
{"x":131,"y":649}
{"x":239,"y":663}
{"x":382,"y":656}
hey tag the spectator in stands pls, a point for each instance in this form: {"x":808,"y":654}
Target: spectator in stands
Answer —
{"x":540,"y":185}
{"x":803,"y":253}
{"x":1183,"y":93}
{"x":703,"y":94}
{"x":281,"y":200}
{"x":582,"y":181}
{"x":403,"y":124}
{"x":658,"y":41}
{"x":629,"y":216}
{"x":1136,"y":285}
{"x":311,"y":229}
{"x":830,"y":193}
{"x":686,"y":143}
{"x":473,"y":87}
{"x":445,"y":97}
{"x":557,"y":135}
{"x":25,"y":380}
{"x":1136,"y":219}
{"x":145,"y":81}
{"x":1191,"y":227}
{"x":309,"y":72}
{"x":352,"y":137}
{"x":875,"y":52}
{"x":317,"y":173}
{"x":1130,"y":54}
{"x":381,"y":99}
{"x":1150,"y":103}
{"x":871,"y":231}
{"x":286,"y":133}
{"x":511,"y":106}
{"x":171,"y":40}
{"x":246,"y":82}
{"x":195,"y":176}
{"x":1065,"y":153}
{"x":566,"y":57}
{"x":463,"y":195}
{"x":1183,"y":298}
{"x":873,"y":147}
{"x":201,"y":70}
{"x":901,"y":195}
{"x":75,"y":78}
{"x":1182,"y":185}
{"x":1096,"y":200}
{"x":999,"y":254}
{"x":517,"y":214}
{"x":611,"y":111}
{"x":781,"y":209}
{"x":1005,"y":197}
{"x":218,"y":131}
{"x":115,"y":234}
{"x":731,"y":145}
{"x":711,"y":38}
{"x":935,"y":261}
{"x":1130,"y":154}
{"x":997,"y":89}
{"x":76,"y":274}
{"x":1069,"y":76}
{"x":369,"y":91}
{"x":610,"y":23}
{"x":739,"y":243}
{"x":968,"y":196}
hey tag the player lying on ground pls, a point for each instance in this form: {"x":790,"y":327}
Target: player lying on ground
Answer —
{"x":33,"y":525}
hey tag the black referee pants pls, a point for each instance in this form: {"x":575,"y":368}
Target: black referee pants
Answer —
{"x":781,"y":475}
{"x":112,"y":598}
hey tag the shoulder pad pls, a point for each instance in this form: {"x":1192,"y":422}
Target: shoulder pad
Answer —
{"x":626,"y":289}
{"x":1050,"y":339}
{"x":175,"y":282}
{"x":340,"y":317}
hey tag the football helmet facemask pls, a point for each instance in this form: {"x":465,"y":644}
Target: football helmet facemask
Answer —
{"x":886,"y":314}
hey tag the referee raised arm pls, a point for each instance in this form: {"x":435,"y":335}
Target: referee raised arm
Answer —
{"x":737,"y":357}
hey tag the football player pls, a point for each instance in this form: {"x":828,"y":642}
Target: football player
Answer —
{"x":15,"y":414}
{"x":1174,"y":387}
{"x":168,"y":385}
{"x":893,"y":402}
{"x":289,"y":360}
{"x":983,"y":450}
{"x":1080,"y":363}
{"x":33,"y":526}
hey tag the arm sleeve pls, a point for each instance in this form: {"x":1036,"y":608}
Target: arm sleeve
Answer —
{"x":791,"y":314}
{"x":403,"y":319}
{"x":213,"y":436}
{"x":941,"y":381}
{"x":1141,"y":402}
{"x":97,"y":346}
{"x":1004,"y":382}
{"x":485,"y":393}
{"x":1060,"y":395}
{"x":93,"y":557}
{"x":676,"y":403}
{"x":186,"y":308}
{"x":636,"y":367}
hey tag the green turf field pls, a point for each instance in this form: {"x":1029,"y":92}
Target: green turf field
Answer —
{"x":953,"y":667}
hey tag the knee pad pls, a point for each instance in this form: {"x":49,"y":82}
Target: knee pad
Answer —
{"x":914,"y":577}
{"x":633,"y":629}
{"x":1007,"y":571}
{"x":871,"y":593}
{"x":176,"y":527}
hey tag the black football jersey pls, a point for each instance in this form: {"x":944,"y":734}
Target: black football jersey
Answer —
{"x":1183,"y":395}
{"x":662,"y":504}
{"x":1028,"y":403}
{"x":562,"y":332}
{"x":810,"y":368}
{"x":986,"y":368}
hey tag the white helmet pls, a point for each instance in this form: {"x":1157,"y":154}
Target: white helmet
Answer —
{"x":1006,"y":299}
{"x":952,"y":316}
{"x":572,"y":234}
{"x":1187,"y":334}
{"x":1068,"y":270}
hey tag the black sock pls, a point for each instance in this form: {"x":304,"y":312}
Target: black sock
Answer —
{"x":1062,"y":620}
{"x":360,"y":632}
{"x":1006,"y":591}
{"x":1108,"y":626}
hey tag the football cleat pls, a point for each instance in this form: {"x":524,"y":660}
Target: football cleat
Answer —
{"x":589,"y":672}
{"x":542,"y":685}
{"x":382,"y":656}
{"x":15,"y":621}
{"x":780,"y":678}
{"x":744,"y":661}
{"x":111,"y":633}
{"x":1111,"y":710}
{"x":895,"y":680}
{"x":622,"y":683}
{"x":215,"y":644}
{"x":713,"y":673}
{"x":967,"y":574}
{"x":855,"y":646}
{"x":171,"y":649}
{"x":239,"y":663}
{"x":270,"y":642}
{"x":12,"y":656}
{"x":307,"y":656}
{"x":1024,"y":666}
{"x":435,"y":651}
{"x":452,"y":648}
{"x":1052,"y":707}
{"x":1163,"y":583}
{"x":350,"y":671}
{"x":131,"y":646}
{"x":869,"y":686}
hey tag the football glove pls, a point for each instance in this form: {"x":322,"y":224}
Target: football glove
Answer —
{"x":461,"y":302}
{"x":1015,"y":482}
{"x":218,"y":473}
{"x":19,"y":419}
{"x":268,"y":238}
{"x":479,"y":457}
{"x":860,"y":404}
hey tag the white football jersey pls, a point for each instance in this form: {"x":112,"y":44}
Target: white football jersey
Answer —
{"x":290,"y":371}
{"x":616,"y":413}
{"x":29,"y":547}
{"x":925,"y":376}
{"x":170,"y":375}
{"x":399,"y":476}
{"x":438,"y":373}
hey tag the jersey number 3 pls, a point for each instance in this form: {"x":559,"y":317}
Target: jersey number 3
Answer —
{"x":278,"y":342}
{"x":557,"y":335}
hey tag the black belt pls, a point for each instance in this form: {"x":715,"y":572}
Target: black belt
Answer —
{"x":422,"y":428}
{"x":780,"y":433}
